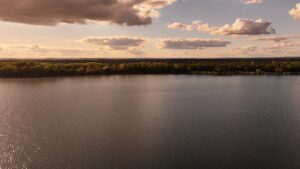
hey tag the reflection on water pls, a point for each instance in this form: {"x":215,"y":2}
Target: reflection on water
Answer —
{"x":150,"y":122}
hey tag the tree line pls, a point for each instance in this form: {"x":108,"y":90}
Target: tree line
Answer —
{"x":41,"y":68}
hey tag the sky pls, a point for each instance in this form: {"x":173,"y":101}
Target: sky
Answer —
{"x":149,"y":28}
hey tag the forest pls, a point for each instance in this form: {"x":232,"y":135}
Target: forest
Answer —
{"x":41,"y":68}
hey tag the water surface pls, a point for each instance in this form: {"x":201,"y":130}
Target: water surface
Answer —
{"x":150,"y":122}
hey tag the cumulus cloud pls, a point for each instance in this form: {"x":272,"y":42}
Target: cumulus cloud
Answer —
{"x":239,"y":27}
{"x":116,"y":43}
{"x":192,"y":43}
{"x":295,"y":12}
{"x":252,"y":1}
{"x":53,"y":12}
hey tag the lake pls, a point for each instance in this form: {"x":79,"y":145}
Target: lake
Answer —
{"x":150,"y":122}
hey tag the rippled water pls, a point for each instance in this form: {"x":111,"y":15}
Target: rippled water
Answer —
{"x":150,"y":122}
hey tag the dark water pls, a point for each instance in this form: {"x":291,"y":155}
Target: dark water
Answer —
{"x":150,"y":122}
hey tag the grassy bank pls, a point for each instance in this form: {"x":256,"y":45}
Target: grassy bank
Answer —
{"x":40,"y":68}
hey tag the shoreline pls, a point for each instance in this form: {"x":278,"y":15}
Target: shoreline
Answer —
{"x":249,"y":74}
{"x":69,"y":68}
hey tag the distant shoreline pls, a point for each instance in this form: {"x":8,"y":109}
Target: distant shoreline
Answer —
{"x":86,"y":67}
{"x":128,"y":60}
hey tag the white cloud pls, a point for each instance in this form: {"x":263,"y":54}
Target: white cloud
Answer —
{"x":239,"y":27}
{"x":192,"y":43}
{"x":295,"y":12}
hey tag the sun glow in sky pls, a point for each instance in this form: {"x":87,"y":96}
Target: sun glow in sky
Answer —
{"x":149,"y":28}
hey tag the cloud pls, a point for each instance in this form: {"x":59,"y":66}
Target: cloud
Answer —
{"x":239,"y":27}
{"x":280,"y":41}
{"x":37,"y":51}
{"x":136,"y":51}
{"x":115,"y":42}
{"x":192,"y":43}
{"x":62,"y":51}
{"x":295,"y":12}
{"x":40,"y":51}
{"x":278,"y":46}
{"x":254,"y":51}
{"x":277,"y":39}
{"x":287,"y":44}
{"x":53,"y":12}
{"x":273,"y":39}
{"x":245,"y":50}
{"x":248,"y":2}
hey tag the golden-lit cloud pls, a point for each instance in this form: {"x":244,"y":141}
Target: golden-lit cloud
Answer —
{"x":239,"y":27}
{"x":192,"y":43}
{"x":295,"y":12}
{"x":53,"y":12}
